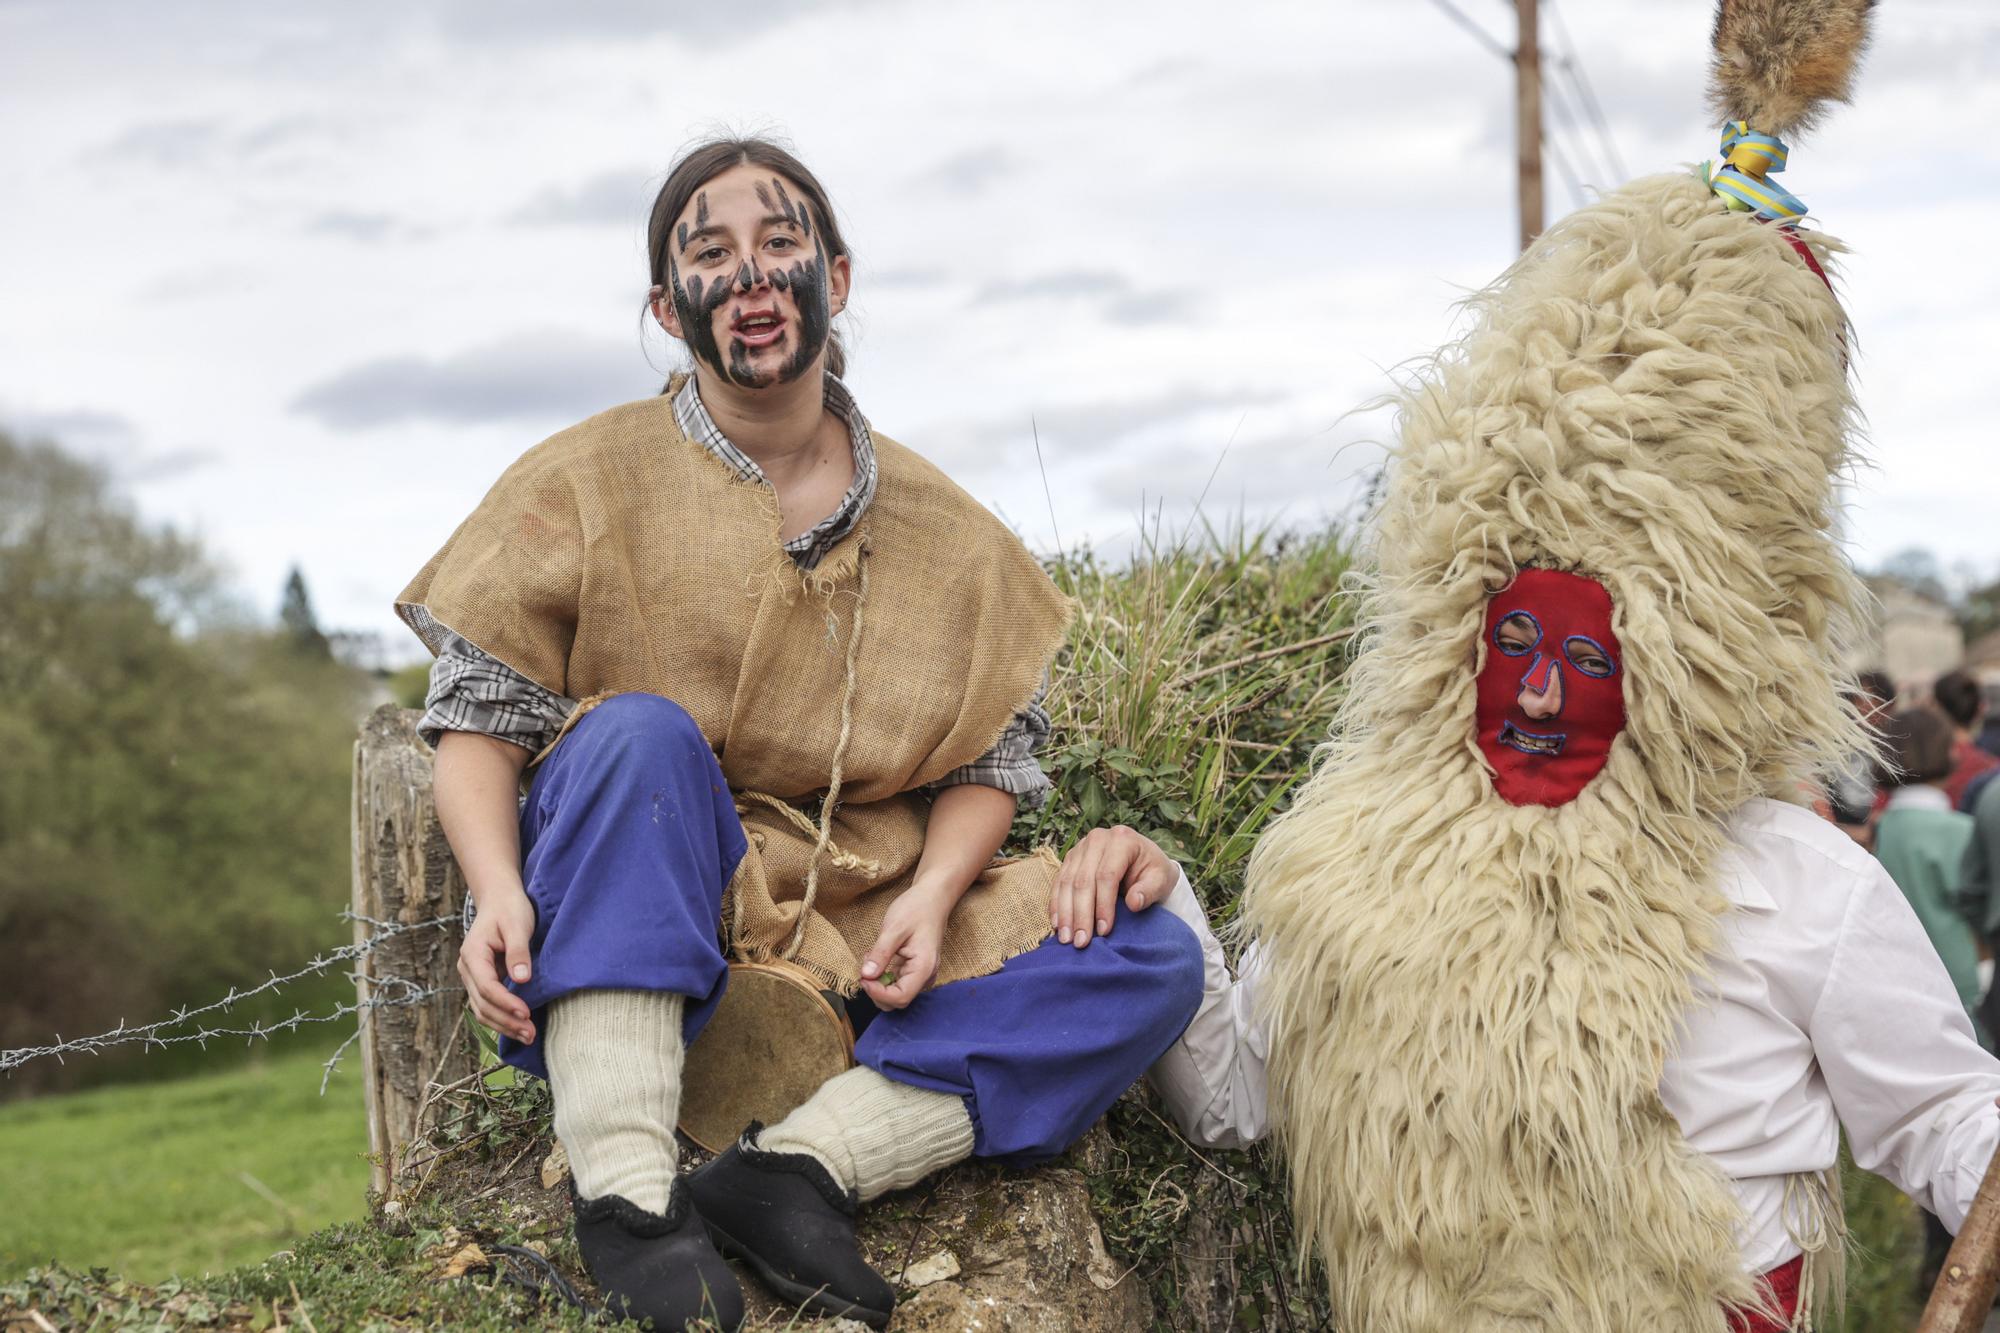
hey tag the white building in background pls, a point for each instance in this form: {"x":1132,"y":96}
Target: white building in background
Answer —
{"x":1982,"y":659}
{"x":1914,"y":638}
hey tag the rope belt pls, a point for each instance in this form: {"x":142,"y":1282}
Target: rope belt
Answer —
{"x":837,"y":856}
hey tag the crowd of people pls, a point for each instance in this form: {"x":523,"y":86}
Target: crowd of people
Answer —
{"x":1928,"y":807}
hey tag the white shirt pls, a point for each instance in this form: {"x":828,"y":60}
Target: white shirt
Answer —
{"x":1827,"y":1008}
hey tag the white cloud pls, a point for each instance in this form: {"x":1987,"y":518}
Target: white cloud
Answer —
{"x":534,"y":376}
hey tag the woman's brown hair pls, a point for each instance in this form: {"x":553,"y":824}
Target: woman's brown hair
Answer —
{"x":702,"y":164}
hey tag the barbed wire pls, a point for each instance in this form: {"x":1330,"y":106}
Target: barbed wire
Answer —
{"x":388,"y":992}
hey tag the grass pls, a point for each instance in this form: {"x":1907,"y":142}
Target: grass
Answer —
{"x":154,"y":1179}
{"x":1886,"y":1257}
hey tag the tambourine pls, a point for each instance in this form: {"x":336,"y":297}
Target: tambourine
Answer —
{"x":773,"y":1039}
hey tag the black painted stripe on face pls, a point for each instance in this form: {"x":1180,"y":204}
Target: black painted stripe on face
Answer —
{"x":696,"y":304}
{"x":807,"y":282}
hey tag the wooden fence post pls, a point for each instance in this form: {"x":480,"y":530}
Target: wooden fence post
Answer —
{"x":404,"y":871}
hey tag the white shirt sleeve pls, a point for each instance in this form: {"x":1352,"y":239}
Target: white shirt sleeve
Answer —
{"x":1212,"y":1079}
{"x":1908,"y":1078}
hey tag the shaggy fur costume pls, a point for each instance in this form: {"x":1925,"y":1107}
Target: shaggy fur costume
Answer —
{"x":1468,"y":1002}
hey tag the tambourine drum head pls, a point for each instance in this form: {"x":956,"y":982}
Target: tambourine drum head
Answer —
{"x":770,"y":1044}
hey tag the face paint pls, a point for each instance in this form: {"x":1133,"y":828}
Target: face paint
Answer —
{"x":1551,"y":696}
{"x":700,"y":301}
{"x":696,"y":301}
{"x":807,"y":283}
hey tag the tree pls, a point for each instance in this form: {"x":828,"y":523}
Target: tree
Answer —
{"x":1917,"y":568}
{"x":173,"y":802}
{"x":295,"y":614}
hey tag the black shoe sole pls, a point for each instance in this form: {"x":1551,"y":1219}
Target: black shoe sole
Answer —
{"x":811,"y":1298}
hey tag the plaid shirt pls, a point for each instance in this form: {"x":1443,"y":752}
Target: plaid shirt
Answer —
{"x":472,"y":691}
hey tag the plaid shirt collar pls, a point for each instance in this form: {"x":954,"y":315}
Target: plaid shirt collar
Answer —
{"x":808,"y":548}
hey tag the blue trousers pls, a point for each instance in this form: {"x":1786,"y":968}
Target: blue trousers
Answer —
{"x":629,"y":836}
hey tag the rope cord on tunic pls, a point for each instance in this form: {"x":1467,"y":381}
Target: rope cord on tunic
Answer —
{"x":840,"y":857}
{"x":832,"y":801}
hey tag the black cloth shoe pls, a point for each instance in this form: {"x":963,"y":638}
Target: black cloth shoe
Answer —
{"x":654,"y":1266}
{"x":784,"y":1215}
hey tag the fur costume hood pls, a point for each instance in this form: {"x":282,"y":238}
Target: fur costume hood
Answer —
{"x":1469,"y":1002}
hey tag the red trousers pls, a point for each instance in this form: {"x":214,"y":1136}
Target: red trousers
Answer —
{"x":1783,"y":1283}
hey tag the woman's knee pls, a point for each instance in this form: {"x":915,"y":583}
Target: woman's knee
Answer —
{"x":634,"y":743}
{"x":1185,"y":970}
{"x":643,"y":723}
{"x":1172,"y":975}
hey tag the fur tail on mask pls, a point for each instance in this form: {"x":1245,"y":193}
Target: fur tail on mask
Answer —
{"x":1779,"y":62}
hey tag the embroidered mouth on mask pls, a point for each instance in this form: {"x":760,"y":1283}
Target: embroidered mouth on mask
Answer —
{"x":1530,"y":742}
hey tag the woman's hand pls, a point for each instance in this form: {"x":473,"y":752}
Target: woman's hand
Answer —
{"x":1104,"y":864}
{"x":905,"y":956}
{"x":499,"y":937}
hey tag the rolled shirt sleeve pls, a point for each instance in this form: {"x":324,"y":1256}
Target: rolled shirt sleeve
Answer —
{"x":1909,"y":1080}
{"x":1212,"y":1078}
{"x":473,"y":691}
{"x":1011,"y":765}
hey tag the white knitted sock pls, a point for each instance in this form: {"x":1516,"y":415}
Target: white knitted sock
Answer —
{"x":615,"y":1069}
{"x":875,"y":1134}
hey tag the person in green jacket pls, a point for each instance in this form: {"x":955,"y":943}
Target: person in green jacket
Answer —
{"x":1979,"y":879}
{"x":1921,"y":841}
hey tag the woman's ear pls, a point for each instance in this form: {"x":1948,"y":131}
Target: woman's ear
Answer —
{"x":839,"y":277}
{"x":663,"y":311}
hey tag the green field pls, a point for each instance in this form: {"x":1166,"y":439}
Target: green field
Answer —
{"x":154,"y":1179}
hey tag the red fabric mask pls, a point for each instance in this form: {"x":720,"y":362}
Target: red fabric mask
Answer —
{"x":1552,"y":692}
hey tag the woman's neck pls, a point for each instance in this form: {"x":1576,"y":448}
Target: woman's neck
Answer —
{"x":779,"y":428}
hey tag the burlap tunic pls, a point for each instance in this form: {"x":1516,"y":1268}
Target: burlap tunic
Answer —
{"x":619,"y":556}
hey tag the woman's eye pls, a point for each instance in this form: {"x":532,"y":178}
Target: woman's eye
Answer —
{"x":1587,"y":657}
{"x":782,"y":242}
{"x":708,"y":255}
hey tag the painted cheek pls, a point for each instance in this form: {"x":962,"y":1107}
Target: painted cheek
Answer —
{"x":696,"y":303}
{"x":807,"y":283}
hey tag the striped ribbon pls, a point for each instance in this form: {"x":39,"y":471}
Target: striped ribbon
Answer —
{"x":1749,"y":158}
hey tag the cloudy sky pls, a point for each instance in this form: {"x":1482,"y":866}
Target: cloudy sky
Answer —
{"x":308,"y":277}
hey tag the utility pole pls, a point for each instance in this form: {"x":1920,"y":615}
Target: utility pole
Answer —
{"x":1528,"y":119}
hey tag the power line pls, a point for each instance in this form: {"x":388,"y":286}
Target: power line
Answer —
{"x":1579,"y":88}
{"x":1485,"y":38}
{"x":1565,"y":114}
{"x":1570,"y":179}
{"x":1572,"y":67}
